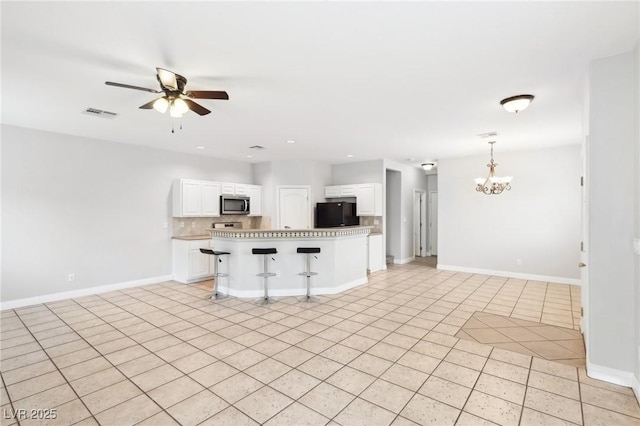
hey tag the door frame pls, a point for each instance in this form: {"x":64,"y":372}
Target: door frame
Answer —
{"x":433,"y":236}
{"x":422,"y":232}
{"x":309,"y":204}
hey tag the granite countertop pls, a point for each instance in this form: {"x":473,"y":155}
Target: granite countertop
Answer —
{"x":192,"y":237}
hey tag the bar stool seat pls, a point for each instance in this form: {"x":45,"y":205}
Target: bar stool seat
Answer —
{"x":216,"y":273}
{"x":265,"y":274}
{"x":308,"y":251}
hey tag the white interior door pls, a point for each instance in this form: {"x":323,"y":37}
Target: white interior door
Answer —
{"x":433,"y":223}
{"x":294,"y":207}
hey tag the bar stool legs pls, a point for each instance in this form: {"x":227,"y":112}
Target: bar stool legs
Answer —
{"x":308,"y":251}
{"x":265,"y":274}
{"x":216,"y":273}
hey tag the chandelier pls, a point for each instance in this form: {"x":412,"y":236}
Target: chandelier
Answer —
{"x":493,"y":184}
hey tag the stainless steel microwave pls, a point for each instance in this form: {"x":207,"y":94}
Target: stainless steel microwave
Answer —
{"x":234,"y":205}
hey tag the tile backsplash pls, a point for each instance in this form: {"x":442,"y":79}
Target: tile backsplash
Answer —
{"x":200,"y":225}
{"x":371,"y":221}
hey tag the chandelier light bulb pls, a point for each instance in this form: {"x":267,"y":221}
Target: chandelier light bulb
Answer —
{"x":180,"y":105}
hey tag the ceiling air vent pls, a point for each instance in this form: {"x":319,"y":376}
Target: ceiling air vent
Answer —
{"x":257,"y":147}
{"x":100,"y":113}
{"x":488,"y":134}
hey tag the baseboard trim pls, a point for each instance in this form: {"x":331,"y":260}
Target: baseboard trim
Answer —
{"x":636,"y":387}
{"x":286,"y":292}
{"x":611,"y":375}
{"x":19,"y":303}
{"x":404,"y":261}
{"x":508,"y":274}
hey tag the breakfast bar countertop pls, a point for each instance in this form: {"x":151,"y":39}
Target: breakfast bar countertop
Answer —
{"x":192,"y":237}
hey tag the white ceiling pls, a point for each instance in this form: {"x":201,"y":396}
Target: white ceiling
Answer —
{"x":374,"y":79}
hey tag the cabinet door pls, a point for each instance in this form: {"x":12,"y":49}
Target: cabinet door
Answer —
{"x":241,"y":189}
{"x":255,"y":200}
{"x":211,"y":199}
{"x":369,"y":199}
{"x":331,"y":191}
{"x":191,"y":198}
{"x":198,"y":264}
{"x":347,"y":190}
{"x":375,"y":252}
{"x":228,"y":188}
{"x":365,"y":200}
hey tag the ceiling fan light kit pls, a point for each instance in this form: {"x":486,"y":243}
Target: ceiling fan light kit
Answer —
{"x":516,"y":103}
{"x":175,"y":99}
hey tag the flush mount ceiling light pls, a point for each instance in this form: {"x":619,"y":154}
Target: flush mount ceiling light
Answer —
{"x":493,"y":185}
{"x":428,"y":166}
{"x":517,"y":103}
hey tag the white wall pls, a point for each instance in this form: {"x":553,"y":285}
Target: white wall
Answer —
{"x":612,"y":350}
{"x":538,"y":221}
{"x":432,"y":186}
{"x":89,"y":207}
{"x":291,"y":172}
{"x":637,"y":228}
{"x":358,"y":172}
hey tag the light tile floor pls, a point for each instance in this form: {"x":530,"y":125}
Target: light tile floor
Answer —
{"x":383,"y":353}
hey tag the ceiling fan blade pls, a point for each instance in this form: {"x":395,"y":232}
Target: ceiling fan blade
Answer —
{"x":208,"y":94}
{"x":168,"y":79}
{"x":149,"y":105}
{"x":128,"y":86}
{"x":198,"y":109}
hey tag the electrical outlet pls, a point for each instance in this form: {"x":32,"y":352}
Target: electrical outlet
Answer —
{"x":518,"y":262}
{"x":278,"y":273}
{"x":181,"y":224}
{"x":72,"y":277}
{"x":376,"y":222}
{"x":165,"y":225}
{"x":193,"y":224}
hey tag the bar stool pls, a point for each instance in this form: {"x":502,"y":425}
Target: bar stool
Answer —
{"x":216,"y":273}
{"x":265,"y":274}
{"x":307,"y":273}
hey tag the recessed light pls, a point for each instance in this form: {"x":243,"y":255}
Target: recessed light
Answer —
{"x":349,"y":155}
{"x":291,"y":141}
{"x":199,"y":147}
{"x":249,"y":156}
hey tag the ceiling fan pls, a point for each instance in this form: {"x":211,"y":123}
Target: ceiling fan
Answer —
{"x":175,"y":99}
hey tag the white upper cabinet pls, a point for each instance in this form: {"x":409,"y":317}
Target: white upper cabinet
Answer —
{"x":228,"y":188}
{"x":368,"y":199}
{"x":199,"y":198}
{"x":255,"y":199}
{"x":368,"y":196}
{"x":210,"y":199}
{"x":332,"y":191}
{"x":241,"y":189}
{"x":347,"y":190}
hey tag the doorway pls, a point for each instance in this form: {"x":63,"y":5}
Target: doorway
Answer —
{"x":393,"y":218}
{"x":294,"y":207}
{"x":419,"y":220}
{"x":433,"y":223}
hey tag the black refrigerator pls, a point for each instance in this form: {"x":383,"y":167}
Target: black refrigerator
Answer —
{"x":330,"y":215}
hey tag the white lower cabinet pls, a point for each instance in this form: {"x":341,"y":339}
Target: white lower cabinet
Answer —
{"x":189,"y":264}
{"x":375,"y":253}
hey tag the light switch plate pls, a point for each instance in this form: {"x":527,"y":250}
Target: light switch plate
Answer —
{"x":636,"y":245}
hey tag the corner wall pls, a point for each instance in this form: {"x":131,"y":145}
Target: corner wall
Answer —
{"x":89,"y":207}
{"x":612,"y":344}
{"x":537,"y":222}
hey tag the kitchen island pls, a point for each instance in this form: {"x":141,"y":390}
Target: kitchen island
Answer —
{"x":341,"y":264}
